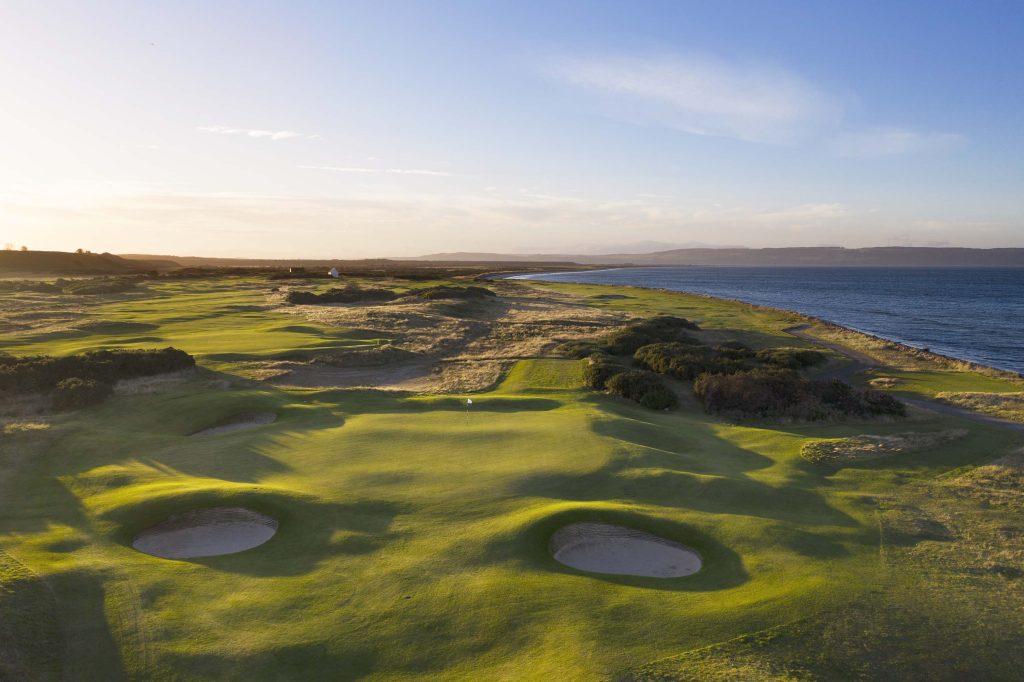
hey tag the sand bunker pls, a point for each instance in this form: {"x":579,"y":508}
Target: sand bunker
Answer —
{"x":206,"y":532}
{"x":604,"y":548}
{"x":238,"y":422}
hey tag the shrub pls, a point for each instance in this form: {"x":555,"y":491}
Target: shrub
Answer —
{"x":577,"y":349}
{"x":449,"y":292}
{"x":76,"y":393}
{"x":767,"y":393}
{"x":734,"y":351}
{"x":348,"y":294}
{"x":679,"y":360}
{"x":656,"y":329}
{"x":599,"y":369}
{"x":627,"y":341}
{"x":43,"y":372}
{"x":790,"y":358}
{"x":643,"y":387}
{"x":667,"y":327}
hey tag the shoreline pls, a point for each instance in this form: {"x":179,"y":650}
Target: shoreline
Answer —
{"x":897,"y":344}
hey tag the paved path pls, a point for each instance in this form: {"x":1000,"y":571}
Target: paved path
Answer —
{"x":862,"y":362}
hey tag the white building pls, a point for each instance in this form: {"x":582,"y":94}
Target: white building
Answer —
{"x":333,"y":272}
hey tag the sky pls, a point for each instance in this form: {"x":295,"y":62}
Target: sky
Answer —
{"x":388,"y":128}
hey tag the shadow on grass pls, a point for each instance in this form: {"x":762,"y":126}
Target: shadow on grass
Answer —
{"x":88,"y":641}
{"x":307,"y":661}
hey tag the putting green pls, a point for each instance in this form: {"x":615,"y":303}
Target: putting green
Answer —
{"x":413,"y":536}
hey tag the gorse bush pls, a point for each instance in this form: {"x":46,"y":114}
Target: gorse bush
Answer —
{"x":468,"y":293}
{"x":578,"y":349}
{"x":35,"y":373}
{"x":764,"y":393}
{"x":75,"y":393}
{"x":680,"y":360}
{"x":791,"y":358}
{"x":599,"y":369}
{"x":348,"y":294}
{"x":730,"y":378}
{"x":662,"y":328}
{"x":644,"y":387}
{"x":353,"y":293}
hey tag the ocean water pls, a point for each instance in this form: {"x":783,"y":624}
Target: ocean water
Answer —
{"x":974,"y":314}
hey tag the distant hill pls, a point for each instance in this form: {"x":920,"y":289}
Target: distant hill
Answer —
{"x":64,"y":263}
{"x":892,"y":256}
{"x":323,"y":263}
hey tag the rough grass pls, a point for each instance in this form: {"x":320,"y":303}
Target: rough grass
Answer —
{"x":949,"y":604}
{"x":1004,"y":405}
{"x":840,"y":451}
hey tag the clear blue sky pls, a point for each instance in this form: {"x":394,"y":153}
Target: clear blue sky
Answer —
{"x":399,"y":128}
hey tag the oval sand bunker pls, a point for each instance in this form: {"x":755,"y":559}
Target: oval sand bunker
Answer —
{"x":238,"y":422}
{"x":206,"y":532}
{"x":604,"y":548}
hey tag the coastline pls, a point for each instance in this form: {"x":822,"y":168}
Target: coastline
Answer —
{"x":948,"y":361}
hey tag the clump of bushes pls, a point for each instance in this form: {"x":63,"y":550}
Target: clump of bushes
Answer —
{"x":791,"y":358}
{"x":681,"y":360}
{"x":663,"y":328}
{"x":600,"y":368}
{"x":35,"y":373}
{"x":578,"y":349}
{"x":351,"y":293}
{"x":766,"y":393}
{"x":644,"y":387}
{"x":444,"y":292}
{"x":729,"y":378}
{"x":76,"y":393}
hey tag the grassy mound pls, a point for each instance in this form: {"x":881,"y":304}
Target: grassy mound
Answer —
{"x":1004,"y":405}
{"x":837,"y":451}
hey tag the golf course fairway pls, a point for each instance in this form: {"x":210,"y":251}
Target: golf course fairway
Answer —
{"x":413,"y":537}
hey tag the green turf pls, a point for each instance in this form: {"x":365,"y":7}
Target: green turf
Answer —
{"x":413,"y":532}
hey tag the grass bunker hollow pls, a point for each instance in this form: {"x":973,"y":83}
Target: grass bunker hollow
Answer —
{"x":238,"y":422}
{"x":617,"y":550}
{"x":206,"y":532}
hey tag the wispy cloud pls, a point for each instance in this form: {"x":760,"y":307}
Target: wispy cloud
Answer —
{"x":265,"y":134}
{"x":894,"y":142}
{"x":387,"y":171}
{"x":708,"y":96}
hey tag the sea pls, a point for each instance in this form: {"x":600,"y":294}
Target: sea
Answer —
{"x":974,"y":314}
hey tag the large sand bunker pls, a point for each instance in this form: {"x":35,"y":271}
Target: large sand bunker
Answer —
{"x":238,"y":422}
{"x":206,"y":532}
{"x":604,"y":548}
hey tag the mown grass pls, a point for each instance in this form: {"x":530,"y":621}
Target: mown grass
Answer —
{"x":413,"y":532}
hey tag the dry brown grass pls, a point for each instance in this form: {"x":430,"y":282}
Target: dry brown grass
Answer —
{"x":1004,"y":405}
{"x":13,"y":427}
{"x":999,"y":483}
{"x":867,"y":447}
{"x":446,"y":346}
{"x":898,"y":355}
{"x":161,"y":383}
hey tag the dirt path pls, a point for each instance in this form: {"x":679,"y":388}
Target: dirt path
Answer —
{"x":862,"y":362}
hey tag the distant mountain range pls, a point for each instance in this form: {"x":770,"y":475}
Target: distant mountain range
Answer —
{"x":822,"y":256}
